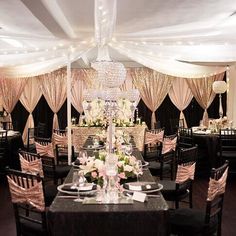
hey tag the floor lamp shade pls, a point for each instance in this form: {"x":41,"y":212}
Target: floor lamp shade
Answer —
{"x":219,"y":87}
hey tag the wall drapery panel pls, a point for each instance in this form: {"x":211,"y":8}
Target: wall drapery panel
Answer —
{"x":11,"y":89}
{"x":53,"y":87}
{"x":80,"y":81}
{"x":152,"y":85}
{"x":180,"y":95}
{"x":203,"y":93}
{"x":153,"y":88}
{"x":29,"y":99}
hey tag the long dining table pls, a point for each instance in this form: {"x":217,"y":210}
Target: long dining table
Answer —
{"x":66,"y":217}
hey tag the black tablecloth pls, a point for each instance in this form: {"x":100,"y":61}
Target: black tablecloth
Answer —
{"x":66,"y":217}
{"x":14,"y":143}
{"x":208,"y":146}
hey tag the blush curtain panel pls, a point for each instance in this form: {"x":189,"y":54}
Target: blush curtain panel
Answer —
{"x":203,"y":92}
{"x":53,"y":87}
{"x":80,"y":82}
{"x":29,"y":99}
{"x":153,"y":87}
{"x":10,"y":90}
{"x":180,"y":95}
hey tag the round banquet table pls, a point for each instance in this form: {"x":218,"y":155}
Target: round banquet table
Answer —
{"x":14,"y":143}
{"x":208,"y":146}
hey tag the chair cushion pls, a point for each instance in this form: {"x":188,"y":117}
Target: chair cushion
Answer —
{"x":50,"y":193}
{"x":186,"y":221}
{"x":169,"y":191}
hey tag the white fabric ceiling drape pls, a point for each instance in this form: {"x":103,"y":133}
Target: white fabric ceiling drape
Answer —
{"x":180,"y":94}
{"x":29,"y":99}
{"x":53,"y":86}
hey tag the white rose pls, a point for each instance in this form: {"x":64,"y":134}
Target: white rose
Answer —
{"x":128,"y":168}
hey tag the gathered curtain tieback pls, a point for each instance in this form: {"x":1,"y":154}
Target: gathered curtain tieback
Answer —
{"x":32,"y":195}
{"x":32,"y":167}
{"x":60,"y":139}
{"x":152,"y":138}
{"x":44,"y":150}
{"x":217,"y":187}
{"x":168,"y":145}
{"x":185,"y":172}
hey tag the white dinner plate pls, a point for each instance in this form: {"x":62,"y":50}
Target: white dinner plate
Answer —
{"x":145,"y":163}
{"x":160,"y":187}
{"x":74,"y":165}
{"x":91,"y":147}
{"x":82,"y":192}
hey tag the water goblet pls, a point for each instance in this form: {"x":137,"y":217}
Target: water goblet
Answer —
{"x":83,"y":154}
{"x":129,"y":149}
{"x":139,"y":169}
{"x":80,"y":182}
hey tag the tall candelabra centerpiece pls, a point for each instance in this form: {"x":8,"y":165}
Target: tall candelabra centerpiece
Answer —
{"x":110,"y":76}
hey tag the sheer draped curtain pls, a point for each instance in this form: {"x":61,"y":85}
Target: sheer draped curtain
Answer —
{"x":153,"y":88}
{"x":10,"y":90}
{"x":203,"y":93}
{"x":80,"y":81}
{"x":53,"y":87}
{"x":29,"y":99}
{"x":180,"y":95}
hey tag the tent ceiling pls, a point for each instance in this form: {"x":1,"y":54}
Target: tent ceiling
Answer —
{"x":40,"y":32}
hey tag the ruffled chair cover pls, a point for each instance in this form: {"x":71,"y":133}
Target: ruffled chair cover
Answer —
{"x":168,"y":145}
{"x":185,"y":172}
{"x":32,"y":167}
{"x":217,"y":187}
{"x":32,"y":195}
{"x":152,"y":138}
{"x":45,"y":150}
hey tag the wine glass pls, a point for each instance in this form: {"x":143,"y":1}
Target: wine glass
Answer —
{"x":129,"y":149}
{"x":83,"y":154}
{"x":139,"y":169}
{"x":80,"y":182}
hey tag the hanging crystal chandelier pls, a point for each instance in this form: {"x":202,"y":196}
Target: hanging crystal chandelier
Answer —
{"x":110,"y":74}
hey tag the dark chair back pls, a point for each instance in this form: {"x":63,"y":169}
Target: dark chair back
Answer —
{"x":61,"y":146}
{"x":3,"y":150}
{"x":186,"y":162}
{"x":185,"y":137}
{"x":168,"y":157}
{"x":227,"y":145}
{"x":7,"y":125}
{"x":215,"y":196}
{"x":175,"y":124}
{"x":152,"y":143}
{"x":28,"y":202}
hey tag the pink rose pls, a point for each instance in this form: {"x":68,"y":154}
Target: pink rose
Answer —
{"x":94,"y":174}
{"x":122,"y":175}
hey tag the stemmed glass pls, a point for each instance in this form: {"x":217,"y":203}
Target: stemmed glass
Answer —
{"x":139,"y":169}
{"x":129,"y":149}
{"x":79,"y":182}
{"x":83,"y":154}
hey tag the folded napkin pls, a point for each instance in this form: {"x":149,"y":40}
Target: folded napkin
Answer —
{"x":139,"y":186}
{"x":77,"y":162}
{"x":87,"y":187}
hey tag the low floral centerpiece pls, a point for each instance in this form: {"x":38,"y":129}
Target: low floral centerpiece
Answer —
{"x":94,"y":169}
{"x":216,"y":124}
